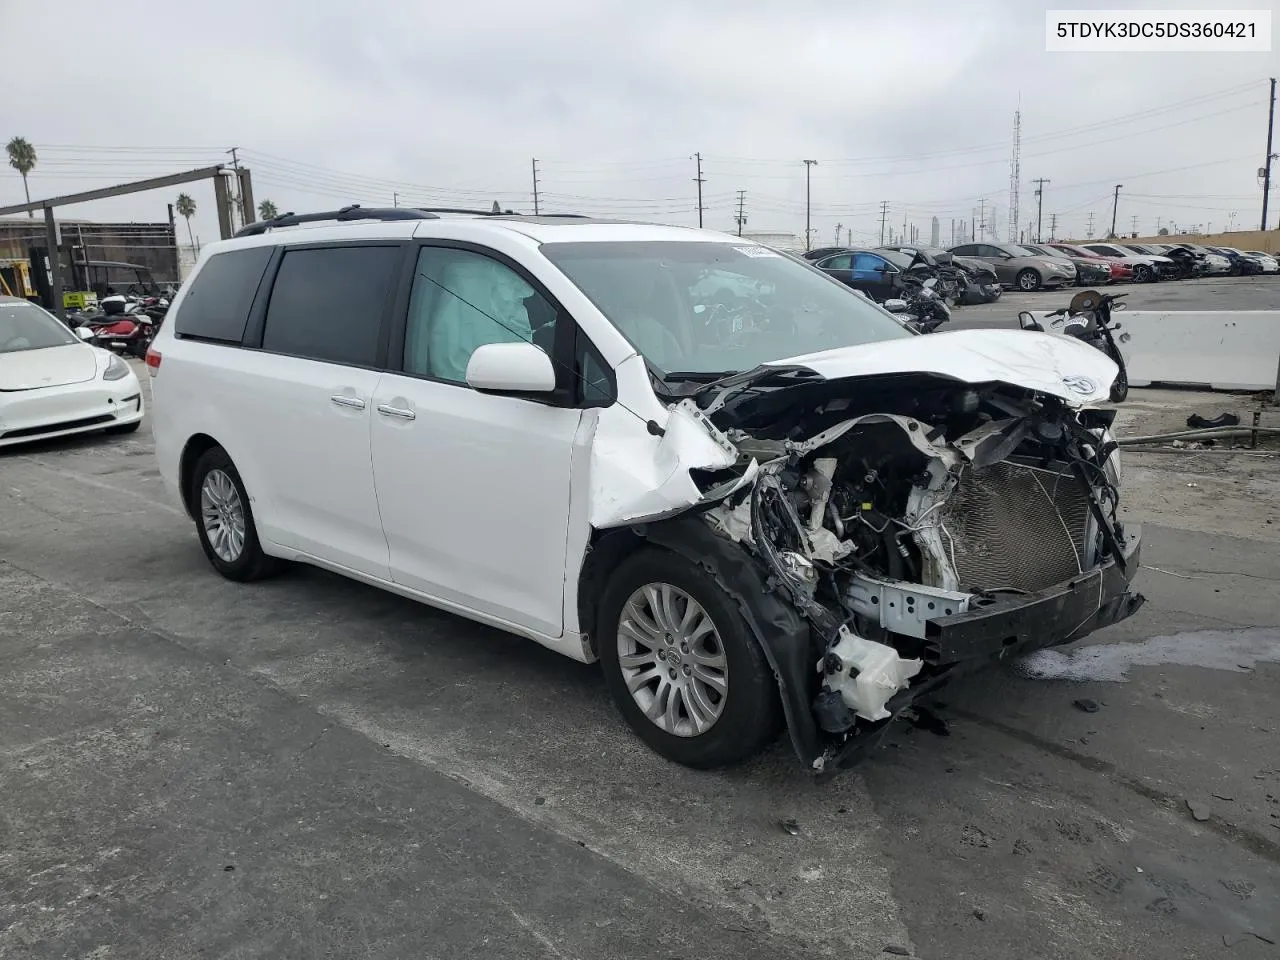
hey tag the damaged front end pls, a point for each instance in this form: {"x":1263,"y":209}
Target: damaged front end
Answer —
{"x":886,"y":534}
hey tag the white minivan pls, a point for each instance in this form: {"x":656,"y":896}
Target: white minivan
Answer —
{"x":757,"y":499}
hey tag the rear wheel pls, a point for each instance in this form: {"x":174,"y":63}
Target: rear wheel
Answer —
{"x":682,"y":665}
{"x":224,"y":519}
{"x":1029,"y":280}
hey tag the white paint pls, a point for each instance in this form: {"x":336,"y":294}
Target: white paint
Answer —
{"x":64,"y":383}
{"x":1234,"y":650}
{"x":1037,"y":361}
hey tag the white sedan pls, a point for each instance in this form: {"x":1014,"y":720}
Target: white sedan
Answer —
{"x":1270,"y":262}
{"x":53,"y":384}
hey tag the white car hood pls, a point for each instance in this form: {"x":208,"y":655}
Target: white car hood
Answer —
{"x":49,"y":367}
{"x":1060,"y":366}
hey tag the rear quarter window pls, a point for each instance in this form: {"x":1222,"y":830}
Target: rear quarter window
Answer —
{"x":216,"y":307}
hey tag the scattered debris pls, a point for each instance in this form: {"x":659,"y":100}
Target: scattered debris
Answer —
{"x":790,"y":826}
{"x":1193,"y":484}
{"x":229,"y":868}
{"x":1233,"y":940}
{"x":1198,"y":809}
{"x":539,"y":801}
{"x":979,"y":914}
{"x":926,"y":719}
{"x":1085,"y":704}
{"x":897,"y":951}
{"x":1197,"y":422}
{"x":1223,"y":796}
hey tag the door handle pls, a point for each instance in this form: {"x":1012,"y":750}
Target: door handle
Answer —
{"x":401,"y":412}
{"x":343,"y":400}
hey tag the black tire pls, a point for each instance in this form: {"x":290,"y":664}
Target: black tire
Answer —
{"x":1143,"y":273}
{"x":123,"y":428}
{"x":751,"y":716}
{"x":1120,"y":389}
{"x":252,"y":563}
{"x":1028,"y":280}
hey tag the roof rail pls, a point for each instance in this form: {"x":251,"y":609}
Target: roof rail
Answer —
{"x":476,"y":213}
{"x":346,"y":214}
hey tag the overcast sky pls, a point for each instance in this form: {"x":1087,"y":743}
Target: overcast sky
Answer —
{"x":447,"y":103}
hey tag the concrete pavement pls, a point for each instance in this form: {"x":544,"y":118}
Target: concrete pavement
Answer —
{"x":389,"y":781}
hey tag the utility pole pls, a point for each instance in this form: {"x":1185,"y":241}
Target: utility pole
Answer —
{"x":1053,"y":227}
{"x":1266,"y":169}
{"x":1089,"y":229}
{"x":839,"y":226}
{"x":236,"y":200}
{"x":395,"y":199}
{"x":1115,"y":205}
{"x":535,"y":187}
{"x":1040,"y":205}
{"x":884,"y":213}
{"x":741,"y":218}
{"x":1135,"y":224}
{"x":699,"y":181}
{"x":982,"y":218}
{"x":808,"y":233}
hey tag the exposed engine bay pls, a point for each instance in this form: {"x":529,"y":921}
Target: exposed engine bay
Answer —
{"x":918,"y":527}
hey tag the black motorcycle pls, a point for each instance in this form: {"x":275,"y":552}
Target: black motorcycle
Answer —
{"x":1088,"y":319}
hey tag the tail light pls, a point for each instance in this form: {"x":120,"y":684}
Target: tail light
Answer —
{"x":153,"y":361}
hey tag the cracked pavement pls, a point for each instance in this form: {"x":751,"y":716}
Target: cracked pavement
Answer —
{"x":310,"y":767}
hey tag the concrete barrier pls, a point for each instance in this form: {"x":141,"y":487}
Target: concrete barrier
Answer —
{"x":1219,"y":349}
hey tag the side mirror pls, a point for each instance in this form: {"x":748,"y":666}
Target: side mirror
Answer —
{"x":896,"y":306}
{"x":84,"y":333}
{"x":1119,"y":306}
{"x":1028,"y":322}
{"x":510,"y":368}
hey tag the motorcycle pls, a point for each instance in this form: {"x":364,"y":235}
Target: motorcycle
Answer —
{"x":1088,"y":319}
{"x":923,"y":309}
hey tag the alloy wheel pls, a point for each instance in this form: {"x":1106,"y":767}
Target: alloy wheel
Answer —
{"x":222,"y":515}
{"x":672,"y":660}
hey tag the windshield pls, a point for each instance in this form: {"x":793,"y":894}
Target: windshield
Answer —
{"x":24,"y":326}
{"x":717,"y":308}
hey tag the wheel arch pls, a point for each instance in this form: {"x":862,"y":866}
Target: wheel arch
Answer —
{"x":780,"y":630}
{"x":196,"y":446}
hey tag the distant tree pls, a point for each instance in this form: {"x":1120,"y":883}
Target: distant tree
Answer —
{"x":22,"y":157}
{"x":186,"y":208}
{"x":1163,"y":232}
{"x":267,"y":210}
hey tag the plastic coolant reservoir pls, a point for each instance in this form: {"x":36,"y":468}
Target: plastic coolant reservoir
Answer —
{"x":870,"y":673}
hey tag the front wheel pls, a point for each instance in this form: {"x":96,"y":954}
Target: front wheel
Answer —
{"x":1143,"y":273}
{"x":1120,"y":388}
{"x":1029,"y":280}
{"x":682,"y":665}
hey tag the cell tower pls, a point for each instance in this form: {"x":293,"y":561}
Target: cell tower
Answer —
{"x":1015,"y":172}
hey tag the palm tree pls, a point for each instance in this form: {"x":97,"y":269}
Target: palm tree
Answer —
{"x":267,"y":210}
{"x":22,"y":157}
{"x":186,"y":208}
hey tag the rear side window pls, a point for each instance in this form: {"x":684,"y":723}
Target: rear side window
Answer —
{"x":328,"y":303}
{"x":216,"y":307}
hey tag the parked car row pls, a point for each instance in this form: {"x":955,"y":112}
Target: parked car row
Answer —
{"x":885,"y":272}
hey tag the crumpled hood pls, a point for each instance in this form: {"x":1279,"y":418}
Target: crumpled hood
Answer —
{"x":1060,"y":366}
